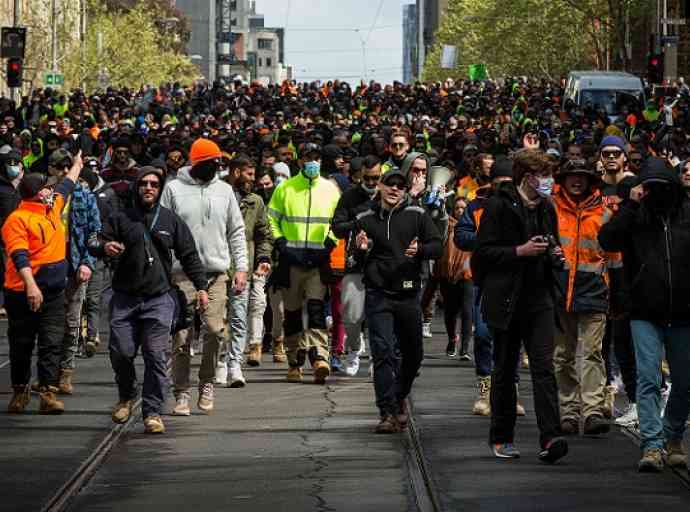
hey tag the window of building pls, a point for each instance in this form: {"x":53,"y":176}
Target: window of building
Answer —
{"x":268,"y":62}
{"x":265,"y":44}
{"x":260,"y":62}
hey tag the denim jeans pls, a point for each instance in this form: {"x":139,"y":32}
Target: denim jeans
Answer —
{"x":650,"y":340}
{"x":395,"y":339}
{"x":483,"y":341}
{"x":245,"y":316}
{"x":75,"y":293}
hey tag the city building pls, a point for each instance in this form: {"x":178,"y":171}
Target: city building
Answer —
{"x":429,"y":16}
{"x":409,"y":34}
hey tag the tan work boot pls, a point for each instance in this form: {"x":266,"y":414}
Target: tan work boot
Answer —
{"x":254,"y":357}
{"x":279,"y":355}
{"x":154,"y":425}
{"x":65,"y":385}
{"x":49,"y":402}
{"x":676,"y":454}
{"x":321,"y":371}
{"x":482,"y":407}
{"x":295,"y":374}
{"x":609,"y":401}
{"x":20,"y":399}
{"x":651,"y":461}
{"x":122,"y":411}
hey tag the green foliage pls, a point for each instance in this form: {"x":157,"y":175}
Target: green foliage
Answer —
{"x":134,"y":51}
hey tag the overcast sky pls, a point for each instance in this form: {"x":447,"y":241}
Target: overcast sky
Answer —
{"x":317,"y":45}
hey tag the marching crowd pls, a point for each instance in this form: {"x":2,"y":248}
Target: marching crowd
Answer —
{"x":316,"y":222}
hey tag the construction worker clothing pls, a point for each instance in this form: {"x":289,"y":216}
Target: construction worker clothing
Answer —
{"x":300,"y":213}
{"x":583,"y":283}
{"x":35,"y":237}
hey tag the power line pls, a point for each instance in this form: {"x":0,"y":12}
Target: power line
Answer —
{"x":287,"y":15}
{"x":345,"y":50}
{"x":376,"y":19}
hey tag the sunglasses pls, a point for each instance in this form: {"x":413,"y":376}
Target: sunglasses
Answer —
{"x":149,"y":184}
{"x":611,"y":154}
{"x":399,"y":185}
{"x":398,"y":145}
{"x":371,"y":179}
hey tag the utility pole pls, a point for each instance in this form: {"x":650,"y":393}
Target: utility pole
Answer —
{"x":53,"y":25}
{"x":15,"y":22}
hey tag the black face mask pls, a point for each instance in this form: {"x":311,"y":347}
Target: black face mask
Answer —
{"x":659,"y":199}
{"x":204,"y":171}
{"x":266,"y":194}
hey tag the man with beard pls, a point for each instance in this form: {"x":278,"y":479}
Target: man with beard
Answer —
{"x":399,"y":147}
{"x":354,"y":201}
{"x":209,"y":207}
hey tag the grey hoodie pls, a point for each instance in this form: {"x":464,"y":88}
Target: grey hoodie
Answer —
{"x":214,"y":218}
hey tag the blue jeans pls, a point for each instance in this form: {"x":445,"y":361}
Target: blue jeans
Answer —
{"x":483,"y":341}
{"x":650,"y":340}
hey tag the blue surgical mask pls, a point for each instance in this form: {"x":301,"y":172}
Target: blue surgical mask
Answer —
{"x":312,"y":169}
{"x":13,"y":171}
{"x":545,"y":187}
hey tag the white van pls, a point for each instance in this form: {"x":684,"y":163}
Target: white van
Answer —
{"x":610,"y":90}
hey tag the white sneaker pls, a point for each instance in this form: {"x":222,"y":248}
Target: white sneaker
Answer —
{"x":352,"y":364}
{"x":664,"y":397}
{"x":221,"y":374}
{"x":426,"y":330}
{"x":237,"y":380}
{"x":629,"y":416}
{"x":182,"y":405}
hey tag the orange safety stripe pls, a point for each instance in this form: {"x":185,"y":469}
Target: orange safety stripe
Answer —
{"x":338,"y":256}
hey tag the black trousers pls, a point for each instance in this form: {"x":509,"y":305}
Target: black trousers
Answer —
{"x":395,"y":339}
{"x":25,"y":327}
{"x":536,"y":331}
{"x":458,"y":298}
{"x":618,"y":332}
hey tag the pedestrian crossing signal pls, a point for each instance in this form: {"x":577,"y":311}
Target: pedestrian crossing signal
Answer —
{"x":15,"y":72}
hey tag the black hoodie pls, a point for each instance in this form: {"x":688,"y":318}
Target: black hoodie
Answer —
{"x":150,"y":236}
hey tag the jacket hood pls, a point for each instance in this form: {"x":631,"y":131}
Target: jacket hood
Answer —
{"x":145,"y":171}
{"x":654,"y":169}
{"x":409,"y":159}
{"x":183,"y":174}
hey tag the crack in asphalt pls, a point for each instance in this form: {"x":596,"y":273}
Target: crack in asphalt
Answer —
{"x":314,"y":456}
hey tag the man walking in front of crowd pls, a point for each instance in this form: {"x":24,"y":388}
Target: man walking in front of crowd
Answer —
{"x":650,"y":228}
{"x":583,"y":294}
{"x":512,"y":265}
{"x":246,"y":310}
{"x":397,"y":237}
{"x":82,"y":221}
{"x":141,"y":240}
{"x":35,"y":243}
{"x":209,"y":208}
{"x":300,"y":214}
{"x":354,"y":201}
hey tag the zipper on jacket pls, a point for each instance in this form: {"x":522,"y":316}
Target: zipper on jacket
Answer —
{"x":306,"y":235}
{"x":667,"y":236}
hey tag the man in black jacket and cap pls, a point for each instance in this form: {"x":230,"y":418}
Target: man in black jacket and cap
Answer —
{"x":398,"y":237}
{"x":512,"y":265}
{"x":143,"y":238}
{"x":651,"y":229}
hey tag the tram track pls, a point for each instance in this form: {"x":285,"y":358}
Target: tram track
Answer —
{"x":425,"y":493}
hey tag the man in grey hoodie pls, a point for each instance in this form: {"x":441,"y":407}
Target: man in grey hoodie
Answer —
{"x":209,"y":207}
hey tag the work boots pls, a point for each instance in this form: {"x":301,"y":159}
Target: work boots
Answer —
{"x":20,"y":399}
{"x":254,"y":357}
{"x":65,"y":384}
{"x":49,"y":402}
{"x":482,"y":407}
{"x":279,"y":355}
{"x":321,"y":371}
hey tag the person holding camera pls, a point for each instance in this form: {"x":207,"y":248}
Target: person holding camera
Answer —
{"x":651,"y":229}
{"x":583,"y":298}
{"x":142,"y":239}
{"x":513,"y":265}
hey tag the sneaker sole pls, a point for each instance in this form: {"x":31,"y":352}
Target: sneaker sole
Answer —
{"x":500,"y":456}
{"x":558,"y":450}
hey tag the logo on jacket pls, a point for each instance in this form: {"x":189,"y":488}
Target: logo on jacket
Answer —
{"x":407,"y":285}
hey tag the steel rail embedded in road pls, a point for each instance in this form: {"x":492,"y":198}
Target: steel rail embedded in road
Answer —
{"x":425,"y":494}
{"x":81,"y":477}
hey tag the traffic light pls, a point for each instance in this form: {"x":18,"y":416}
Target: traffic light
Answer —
{"x":15,"y":70}
{"x":655,"y":68}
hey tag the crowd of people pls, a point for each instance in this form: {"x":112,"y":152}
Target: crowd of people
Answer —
{"x":317,"y":221}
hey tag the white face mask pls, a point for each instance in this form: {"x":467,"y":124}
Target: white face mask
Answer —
{"x":48,"y":199}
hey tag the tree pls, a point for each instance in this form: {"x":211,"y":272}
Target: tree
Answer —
{"x":512,"y":37}
{"x":128,"y":48}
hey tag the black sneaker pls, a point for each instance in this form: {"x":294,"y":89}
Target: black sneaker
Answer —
{"x":555,"y":449}
{"x":596,"y":425}
{"x":451,"y":350}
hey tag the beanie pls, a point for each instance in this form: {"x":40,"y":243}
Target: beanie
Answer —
{"x":614,"y":140}
{"x":202,"y":150}
{"x":502,"y":168}
{"x":655,"y":170}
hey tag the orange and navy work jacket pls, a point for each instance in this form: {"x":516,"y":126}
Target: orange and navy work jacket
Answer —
{"x":35,"y":237}
{"x":583,"y":284}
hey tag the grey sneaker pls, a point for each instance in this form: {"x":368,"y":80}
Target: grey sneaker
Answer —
{"x":205,"y":402}
{"x":182,"y":405}
{"x":504,"y":451}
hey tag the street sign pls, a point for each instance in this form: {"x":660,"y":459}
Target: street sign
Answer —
{"x":449,"y":56}
{"x":670,"y":39}
{"x":477,"y":72}
{"x":53,"y":78}
{"x":12,"y":42}
{"x":673,"y":21}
